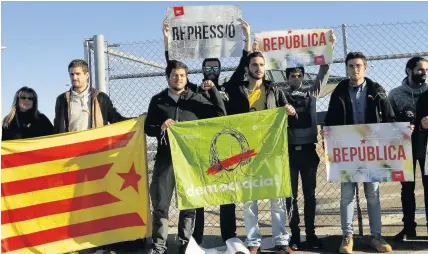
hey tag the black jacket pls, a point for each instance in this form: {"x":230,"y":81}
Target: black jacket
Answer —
{"x":421,"y":111}
{"x":24,"y":125}
{"x":238,"y":97}
{"x":237,"y":76}
{"x":378,"y":108}
{"x":103,"y":112}
{"x":190,"y":106}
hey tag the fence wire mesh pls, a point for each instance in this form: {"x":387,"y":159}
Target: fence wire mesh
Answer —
{"x":136,"y":73}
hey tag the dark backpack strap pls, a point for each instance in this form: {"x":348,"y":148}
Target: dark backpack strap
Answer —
{"x":65,"y":109}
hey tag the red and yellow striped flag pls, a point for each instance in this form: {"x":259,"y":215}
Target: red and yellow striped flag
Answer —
{"x":75,"y":191}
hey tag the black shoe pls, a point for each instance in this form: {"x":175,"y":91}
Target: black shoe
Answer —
{"x":295,"y":242}
{"x":182,"y":248}
{"x":154,"y":251}
{"x":314,"y":242}
{"x":405,"y":235}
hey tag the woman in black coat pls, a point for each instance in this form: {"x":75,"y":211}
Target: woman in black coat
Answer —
{"x":24,"y":119}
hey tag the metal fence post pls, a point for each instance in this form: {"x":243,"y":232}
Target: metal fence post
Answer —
{"x":87,"y":45}
{"x":345,"y":39}
{"x":86,"y":50}
{"x":100,"y":80}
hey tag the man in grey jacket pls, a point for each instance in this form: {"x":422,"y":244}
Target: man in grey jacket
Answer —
{"x":302,"y":136}
{"x":403,"y":101}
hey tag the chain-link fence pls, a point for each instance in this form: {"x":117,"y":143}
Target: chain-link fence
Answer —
{"x":136,"y":73}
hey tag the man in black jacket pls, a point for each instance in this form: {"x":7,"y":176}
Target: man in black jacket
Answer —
{"x":404,"y":99}
{"x":359,"y":100}
{"x":254,"y":95}
{"x":211,"y":69}
{"x":175,"y":104}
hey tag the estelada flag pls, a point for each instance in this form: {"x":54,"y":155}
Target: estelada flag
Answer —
{"x":75,"y":191}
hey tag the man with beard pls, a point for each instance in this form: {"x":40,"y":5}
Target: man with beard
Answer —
{"x":404,"y":100}
{"x":302,"y":136}
{"x":82,"y":108}
{"x":175,"y":104}
{"x":211,"y":69}
{"x":254,"y":95}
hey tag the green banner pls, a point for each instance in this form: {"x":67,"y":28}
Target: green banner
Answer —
{"x":231,"y":159}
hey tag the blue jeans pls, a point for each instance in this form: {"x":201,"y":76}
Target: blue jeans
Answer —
{"x":347,"y":200}
{"x":278,"y":214}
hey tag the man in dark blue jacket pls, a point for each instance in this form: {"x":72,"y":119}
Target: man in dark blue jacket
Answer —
{"x":359,"y":100}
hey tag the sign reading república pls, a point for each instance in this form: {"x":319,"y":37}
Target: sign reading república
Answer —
{"x":369,"y":153}
{"x":204,"y":32}
{"x":231,"y":159}
{"x":296,"y":48}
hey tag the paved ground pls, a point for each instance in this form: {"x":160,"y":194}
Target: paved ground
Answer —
{"x":332,"y":242}
{"x":328,"y":202}
{"x":327,"y":220}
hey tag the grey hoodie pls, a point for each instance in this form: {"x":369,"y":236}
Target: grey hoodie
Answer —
{"x":403,"y":99}
{"x":80,"y":110}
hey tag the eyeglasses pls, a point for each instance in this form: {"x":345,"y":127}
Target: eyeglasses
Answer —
{"x":296,"y":75}
{"x":358,"y":66}
{"x":211,"y":68}
{"x":26,"y":98}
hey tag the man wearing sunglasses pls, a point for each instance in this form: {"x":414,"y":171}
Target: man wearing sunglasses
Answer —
{"x":302,"y":136}
{"x":211,"y":69}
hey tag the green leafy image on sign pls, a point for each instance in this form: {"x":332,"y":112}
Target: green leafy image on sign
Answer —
{"x":231,"y":159}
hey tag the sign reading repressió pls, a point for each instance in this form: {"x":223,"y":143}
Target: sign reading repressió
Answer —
{"x":204,"y":32}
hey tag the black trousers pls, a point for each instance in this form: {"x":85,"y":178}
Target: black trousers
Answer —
{"x":227,"y":223}
{"x":304,"y":160}
{"x":161,"y":191}
{"x":408,"y":197}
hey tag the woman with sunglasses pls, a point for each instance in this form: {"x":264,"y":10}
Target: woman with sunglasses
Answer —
{"x":24,"y":119}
